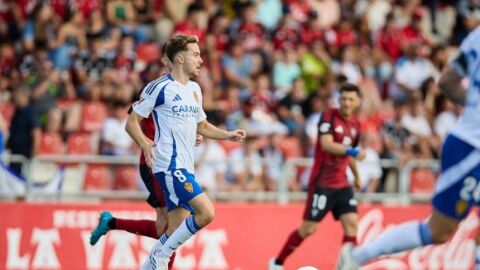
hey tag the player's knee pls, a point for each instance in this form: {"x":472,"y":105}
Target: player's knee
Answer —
{"x":441,"y":227}
{"x":441,"y":235}
{"x":161,"y":225}
{"x":351,"y":227}
{"x":203,"y":218}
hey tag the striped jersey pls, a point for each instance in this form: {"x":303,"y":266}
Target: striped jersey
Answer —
{"x":176,"y":110}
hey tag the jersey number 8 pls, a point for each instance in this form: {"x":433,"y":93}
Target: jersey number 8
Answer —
{"x":180,"y":176}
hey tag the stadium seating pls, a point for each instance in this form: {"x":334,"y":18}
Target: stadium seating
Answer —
{"x":291,"y":147}
{"x":125,"y":178}
{"x":93,"y":116}
{"x":148,"y":52}
{"x":97,"y":177}
{"x":79,"y":144}
{"x":422,"y":181}
{"x":50,"y":144}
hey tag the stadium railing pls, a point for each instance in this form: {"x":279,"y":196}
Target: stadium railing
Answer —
{"x":282,"y":195}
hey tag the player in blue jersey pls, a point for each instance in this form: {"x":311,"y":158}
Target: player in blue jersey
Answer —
{"x":176,"y":104}
{"x":457,"y":188}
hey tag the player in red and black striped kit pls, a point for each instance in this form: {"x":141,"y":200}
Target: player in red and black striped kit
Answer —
{"x":329,"y":189}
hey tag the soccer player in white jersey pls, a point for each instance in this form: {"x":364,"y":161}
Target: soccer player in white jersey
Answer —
{"x":176,"y":104}
{"x":458,"y":187}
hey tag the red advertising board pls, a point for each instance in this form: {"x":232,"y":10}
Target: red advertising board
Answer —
{"x":242,"y":237}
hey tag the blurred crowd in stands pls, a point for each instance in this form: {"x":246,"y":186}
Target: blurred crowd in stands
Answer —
{"x":69,"y":70}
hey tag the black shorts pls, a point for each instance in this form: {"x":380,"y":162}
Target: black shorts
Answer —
{"x":155,"y":198}
{"x":322,"y":200}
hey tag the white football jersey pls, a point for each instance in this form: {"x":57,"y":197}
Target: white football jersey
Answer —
{"x":468,"y":65}
{"x":176,"y":108}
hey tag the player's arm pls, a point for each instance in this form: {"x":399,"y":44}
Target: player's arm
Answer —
{"x":357,"y":182}
{"x":451,"y":79}
{"x":210,"y":131}
{"x":134,"y":129}
{"x":141,"y":109}
{"x":329,"y":146}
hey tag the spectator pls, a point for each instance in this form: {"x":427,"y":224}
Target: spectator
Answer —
{"x":411,"y":71}
{"x":70,"y":41}
{"x":370,"y":169}
{"x":315,"y":66}
{"x":447,"y":118}
{"x":376,"y":14}
{"x":349,"y":65}
{"x":25,"y":126}
{"x":285,"y":71}
{"x":163,"y":24}
{"x":121,"y":13}
{"x":194,"y":24}
{"x":210,"y":165}
{"x":247,"y":29}
{"x":286,"y":35}
{"x":290,"y":109}
{"x":389,"y":38}
{"x":40,"y":27}
{"x":115,"y":141}
{"x":269,"y":13}
{"x":246,"y":167}
{"x":240,"y":66}
{"x":416,"y":122}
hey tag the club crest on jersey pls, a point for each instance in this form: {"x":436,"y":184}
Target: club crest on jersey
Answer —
{"x":195,"y":96}
{"x":324,"y":127}
{"x":188,"y":187}
{"x":460,"y":207}
{"x":339,"y":129}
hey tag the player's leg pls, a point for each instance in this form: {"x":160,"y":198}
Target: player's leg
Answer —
{"x":349,"y":223}
{"x":147,"y":228}
{"x":318,"y":204}
{"x":188,"y":224}
{"x":183,"y":196}
{"x":406,"y":236}
{"x":345,"y":210}
{"x":452,"y":201}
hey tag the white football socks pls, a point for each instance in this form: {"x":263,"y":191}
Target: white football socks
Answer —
{"x":186,"y":230}
{"x":403,"y":237}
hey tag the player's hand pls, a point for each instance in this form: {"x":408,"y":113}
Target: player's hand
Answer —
{"x":198,"y":140}
{"x":361,"y":156}
{"x":357,"y":184}
{"x":236,"y":135}
{"x":149,"y":153}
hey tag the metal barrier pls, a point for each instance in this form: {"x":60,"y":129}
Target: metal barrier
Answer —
{"x":282,"y":195}
{"x":405,"y":177}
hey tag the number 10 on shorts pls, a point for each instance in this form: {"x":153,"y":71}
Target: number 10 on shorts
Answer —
{"x":319,"y":201}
